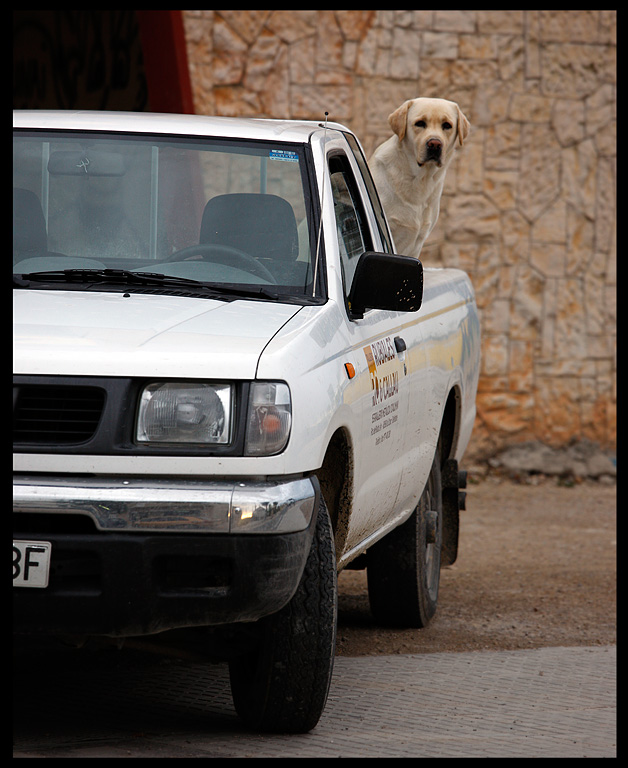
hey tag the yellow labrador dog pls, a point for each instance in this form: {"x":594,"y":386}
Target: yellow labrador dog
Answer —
{"x":409,"y":168}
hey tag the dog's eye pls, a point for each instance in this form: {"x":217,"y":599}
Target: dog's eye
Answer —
{"x":446,"y":126}
{"x":420,"y":124}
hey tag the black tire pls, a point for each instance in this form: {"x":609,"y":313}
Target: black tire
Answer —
{"x":403,"y":568}
{"x":281,"y":686}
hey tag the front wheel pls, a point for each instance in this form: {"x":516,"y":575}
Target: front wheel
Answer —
{"x":281,"y":685}
{"x":403,"y":569}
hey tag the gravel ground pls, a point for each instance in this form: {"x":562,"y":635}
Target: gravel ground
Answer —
{"x":536,"y":568}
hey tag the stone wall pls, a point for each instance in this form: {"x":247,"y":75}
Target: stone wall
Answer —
{"x":529,"y":208}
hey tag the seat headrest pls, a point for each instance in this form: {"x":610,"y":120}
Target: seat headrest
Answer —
{"x":258,"y":224}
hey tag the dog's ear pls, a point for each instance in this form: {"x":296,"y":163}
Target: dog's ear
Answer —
{"x":464,"y":126}
{"x":399,"y":118}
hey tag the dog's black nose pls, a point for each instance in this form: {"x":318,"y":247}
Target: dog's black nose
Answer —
{"x":434,"y":144}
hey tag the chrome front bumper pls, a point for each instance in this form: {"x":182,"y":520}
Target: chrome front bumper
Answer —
{"x":136,"y":504}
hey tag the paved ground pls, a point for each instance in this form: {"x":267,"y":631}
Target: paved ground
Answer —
{"x":547,"y":702}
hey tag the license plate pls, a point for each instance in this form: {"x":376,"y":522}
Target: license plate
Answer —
{"x":31,"y":563}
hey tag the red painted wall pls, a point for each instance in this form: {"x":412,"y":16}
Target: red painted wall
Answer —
{"x":165,"y":61}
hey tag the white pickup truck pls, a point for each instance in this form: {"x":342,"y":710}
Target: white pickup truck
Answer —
{"x":227,"y":388}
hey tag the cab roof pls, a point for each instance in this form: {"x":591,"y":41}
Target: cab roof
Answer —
{"x":294,"y":131}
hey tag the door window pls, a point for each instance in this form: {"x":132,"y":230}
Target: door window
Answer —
{"x":353,"y":233}
{"x":372,"y":193}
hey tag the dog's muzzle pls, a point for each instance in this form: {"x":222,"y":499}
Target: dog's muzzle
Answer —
{"x":433,"y":151}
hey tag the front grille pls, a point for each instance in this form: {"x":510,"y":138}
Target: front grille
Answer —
{"x":55,"y":414}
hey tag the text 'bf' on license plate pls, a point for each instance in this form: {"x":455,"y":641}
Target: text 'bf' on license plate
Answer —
{"x":31,"y":563}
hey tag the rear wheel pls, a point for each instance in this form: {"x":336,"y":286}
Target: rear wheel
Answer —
{"x":403,"y":569}
{"x":282,"y":684}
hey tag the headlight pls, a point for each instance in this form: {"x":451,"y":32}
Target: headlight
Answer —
{"x":176,"y":412}
{"x":269,"y":419}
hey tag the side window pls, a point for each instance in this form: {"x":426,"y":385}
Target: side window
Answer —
{"x":353,"y":233}
{"x":382,"y":225}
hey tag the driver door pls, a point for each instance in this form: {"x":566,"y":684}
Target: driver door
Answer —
{"x":379,"y":361}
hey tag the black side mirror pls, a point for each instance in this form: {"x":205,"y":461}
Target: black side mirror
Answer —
{"x":386,"y":281}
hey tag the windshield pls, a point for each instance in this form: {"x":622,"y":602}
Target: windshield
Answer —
{"x":227,"y":213}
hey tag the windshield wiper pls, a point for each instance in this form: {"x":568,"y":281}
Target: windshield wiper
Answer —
{"x":128,"y":277}
{"x":259,"y":292}
{"x":116,"y":276}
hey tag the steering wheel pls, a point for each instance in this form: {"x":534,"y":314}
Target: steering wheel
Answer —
{"x":223,"y":254}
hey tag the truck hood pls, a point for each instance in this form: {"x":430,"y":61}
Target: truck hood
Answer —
{"x":76,"y":333}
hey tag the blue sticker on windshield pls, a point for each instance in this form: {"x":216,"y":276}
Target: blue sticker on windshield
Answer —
{"x":284,"y":154}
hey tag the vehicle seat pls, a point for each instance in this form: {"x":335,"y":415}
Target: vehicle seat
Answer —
{"x":261,"y":225}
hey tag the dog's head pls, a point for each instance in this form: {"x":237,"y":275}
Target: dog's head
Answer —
{"x":429,"y":128}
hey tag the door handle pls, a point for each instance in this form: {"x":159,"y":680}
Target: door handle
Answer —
{"x":400,"y":346}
